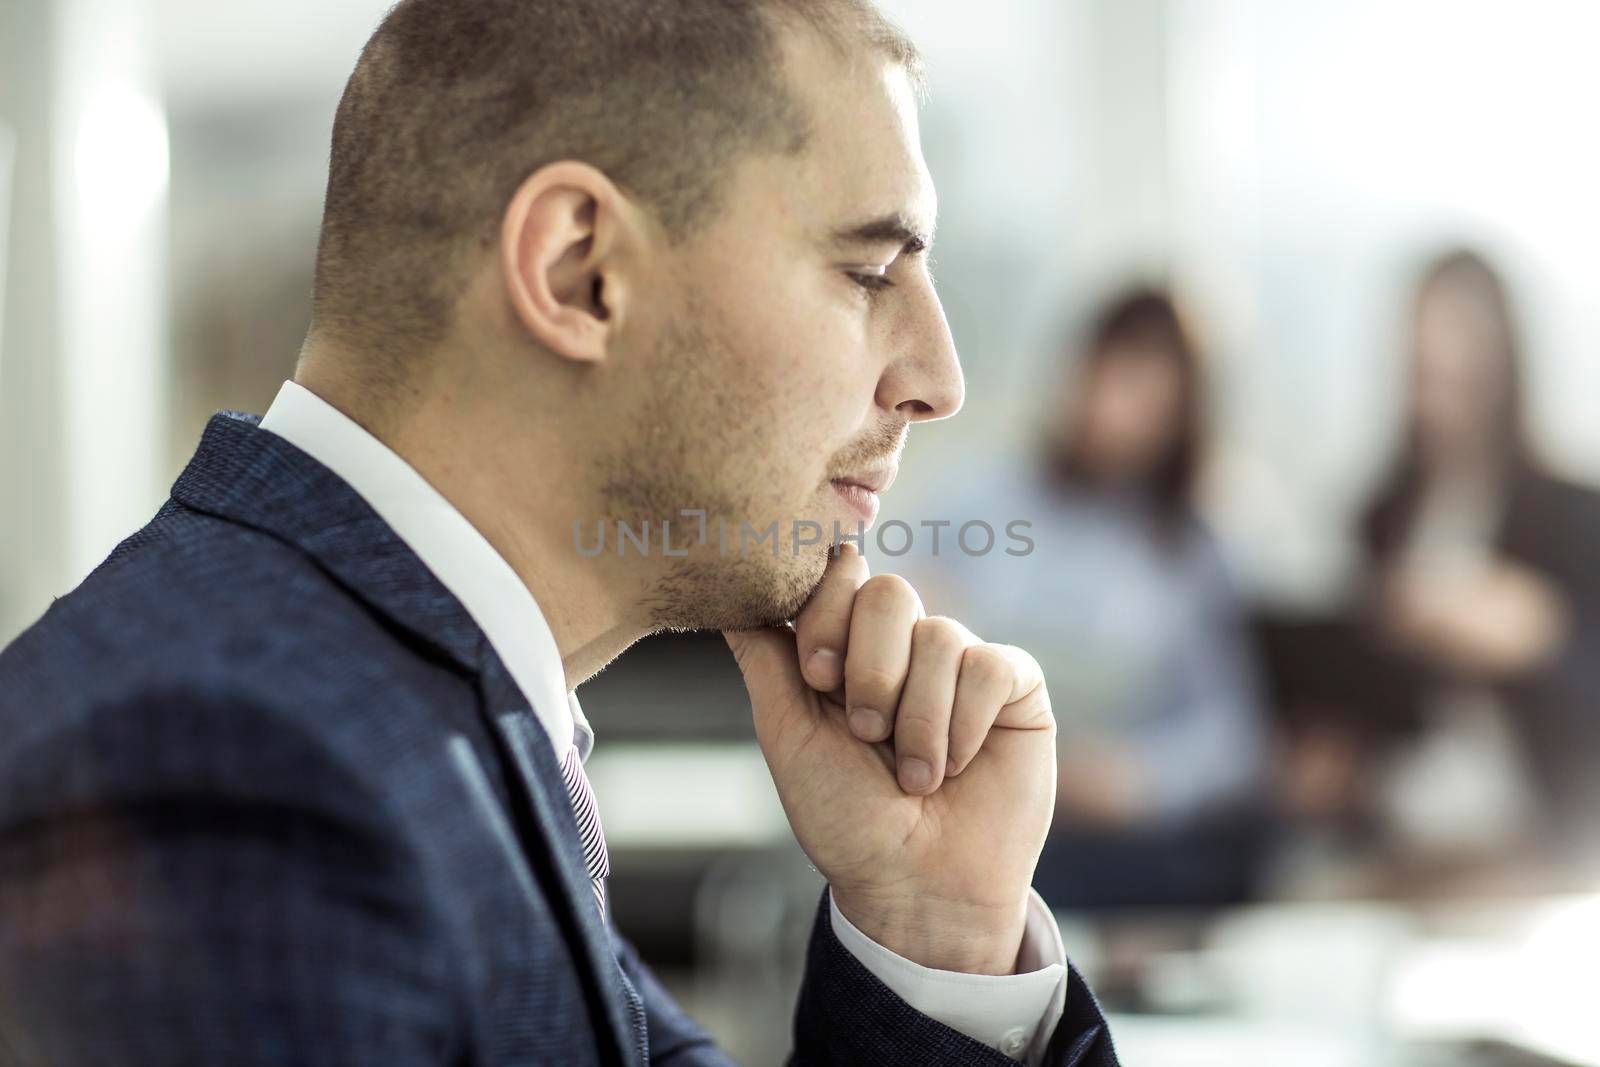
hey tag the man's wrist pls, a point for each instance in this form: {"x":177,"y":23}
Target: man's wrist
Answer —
{"x":940,"y":934}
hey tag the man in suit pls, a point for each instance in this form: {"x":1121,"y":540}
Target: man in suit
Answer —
{"x":296,"y":775}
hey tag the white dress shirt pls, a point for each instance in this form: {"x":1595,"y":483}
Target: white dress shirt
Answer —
{"x":1013,"y":1013}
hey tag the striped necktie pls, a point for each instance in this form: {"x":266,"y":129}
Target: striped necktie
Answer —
{"x":589,"y":831}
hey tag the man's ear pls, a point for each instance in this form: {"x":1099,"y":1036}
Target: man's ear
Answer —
{"x":564,"y":238}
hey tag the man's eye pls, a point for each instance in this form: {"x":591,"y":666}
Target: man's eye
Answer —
{"x":872,"y":283}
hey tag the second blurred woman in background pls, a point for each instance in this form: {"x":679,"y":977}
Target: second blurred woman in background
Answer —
{"x":1484,"y":575}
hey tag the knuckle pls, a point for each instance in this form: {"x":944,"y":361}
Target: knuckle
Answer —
{"x":885,"y":591}
{"x":1020,"y":656}
{"x":936,"y":634}
{"x":986,"y":665}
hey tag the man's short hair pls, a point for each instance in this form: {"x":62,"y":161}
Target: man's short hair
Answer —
{"x":453,"y":103}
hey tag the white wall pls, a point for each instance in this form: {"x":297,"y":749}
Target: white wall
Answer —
{"x":31,"y":518}
{"x":83,"y":378}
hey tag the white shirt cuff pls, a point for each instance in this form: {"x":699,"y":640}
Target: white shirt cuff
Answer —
{"x":1014,"y":1014}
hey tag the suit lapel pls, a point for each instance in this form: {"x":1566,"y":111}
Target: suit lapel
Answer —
{"x":246,"y":475}
{"x":553,"y":843}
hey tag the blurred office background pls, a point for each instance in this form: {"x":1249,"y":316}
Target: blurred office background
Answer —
{"x":1352,"y":825}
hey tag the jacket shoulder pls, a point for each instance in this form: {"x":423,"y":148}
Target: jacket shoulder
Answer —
{"x":195,"y":609}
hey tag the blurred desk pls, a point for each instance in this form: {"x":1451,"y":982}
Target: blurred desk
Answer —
{"x":1153,"y":1041}
{"x":1492,"y":984}
{"x":698,"y":795}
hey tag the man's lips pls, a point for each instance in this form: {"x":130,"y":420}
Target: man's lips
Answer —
{"x":862,"y":501}
{"x":877,"y":480}
{"x":860,"y":491}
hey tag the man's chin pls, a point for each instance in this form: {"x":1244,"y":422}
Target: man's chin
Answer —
{"x":739,"y":592}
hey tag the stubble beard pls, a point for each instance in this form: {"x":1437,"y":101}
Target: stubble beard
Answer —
{"x":692,"y":417}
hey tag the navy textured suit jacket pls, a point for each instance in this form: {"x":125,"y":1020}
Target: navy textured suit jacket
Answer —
{"x":267,"y":796}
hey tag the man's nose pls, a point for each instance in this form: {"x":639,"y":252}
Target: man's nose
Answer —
{"x":924,"y":382}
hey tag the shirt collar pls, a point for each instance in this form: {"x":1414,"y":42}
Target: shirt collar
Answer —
{"x":449,"y":546}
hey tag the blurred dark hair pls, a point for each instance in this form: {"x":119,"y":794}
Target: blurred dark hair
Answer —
{"x":1393,"y":507}
{"x":1145,"y":318}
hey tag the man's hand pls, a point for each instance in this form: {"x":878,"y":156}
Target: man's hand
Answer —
{"x":915,"y":763}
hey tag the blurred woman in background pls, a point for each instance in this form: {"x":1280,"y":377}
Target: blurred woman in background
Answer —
{"x":1127,"y":603}
{"x":1484,"y":574}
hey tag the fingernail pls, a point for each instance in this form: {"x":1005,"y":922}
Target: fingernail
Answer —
{"x":867,"y":724}
{"x":950,"y":768}
{"x":822,"y":669}
{"x":915,"y":775}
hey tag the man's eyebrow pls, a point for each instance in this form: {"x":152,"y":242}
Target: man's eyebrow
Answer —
{"x":886,"y":229}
